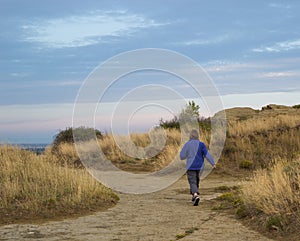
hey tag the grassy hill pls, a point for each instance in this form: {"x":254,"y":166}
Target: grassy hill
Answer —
{"x":271,"y":110}
{"x":256,"y":137}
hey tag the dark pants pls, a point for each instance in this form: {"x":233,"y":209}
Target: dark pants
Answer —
{"x":194,"y":179}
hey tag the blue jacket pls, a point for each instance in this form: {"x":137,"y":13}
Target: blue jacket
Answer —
{"x":194,"y":151}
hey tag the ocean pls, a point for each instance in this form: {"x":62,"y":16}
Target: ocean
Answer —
{"x":37,"y":148}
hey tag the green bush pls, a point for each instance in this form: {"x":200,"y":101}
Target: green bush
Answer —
{"x":170,"y":124}
{"x":204,"y":124}
{"x":274,"y":222}
{"x":67,"y":136}
{"x":191,"y":111}
{"x":296,"y":106}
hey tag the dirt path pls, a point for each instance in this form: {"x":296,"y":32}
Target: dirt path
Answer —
{"x":163,"y":216}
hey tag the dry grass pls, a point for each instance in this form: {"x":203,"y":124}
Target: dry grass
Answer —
{"x":261,"y":125}
{"x":35,"y":186}
{"x":275,"y":190}
{"x":153,"y":159}
{"x":276,"y":193}
{"x":260,"y":140}
{"x":139,"y":154}
{"x":133,"y":153}
{"x":65,"y":156}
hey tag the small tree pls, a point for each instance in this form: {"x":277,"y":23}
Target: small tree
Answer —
{"x":190,"y":111}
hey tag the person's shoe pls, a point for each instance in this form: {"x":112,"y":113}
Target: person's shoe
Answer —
{"x":196,"y":200}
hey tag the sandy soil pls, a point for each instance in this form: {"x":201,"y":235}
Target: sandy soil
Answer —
{"x":164,"y":215}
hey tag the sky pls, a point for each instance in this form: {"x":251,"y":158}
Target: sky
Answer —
{"x":250,"y":49}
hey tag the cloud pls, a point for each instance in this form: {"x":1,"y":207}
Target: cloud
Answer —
{"x":279,"y":5}
{"x":280,"y":74}
{"x":84,"y":30}
{"x":280,"y":47}
{"x":277,"y":67}
{"x":19,"y":75}
{"x":62,"y":83}
{"x":50,"y":83}
{"x":222,"y":67}
{"x":211,"y":41}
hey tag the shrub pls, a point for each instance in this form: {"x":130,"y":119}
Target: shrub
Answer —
{"x":190,"y":112}
{"x":82,"y":133}
{"x":66,"y":136}
{"x":204,"y":124}
{"x":170,"y":124}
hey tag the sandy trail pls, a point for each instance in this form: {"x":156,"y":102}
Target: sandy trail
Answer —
{"x":156,"y":216}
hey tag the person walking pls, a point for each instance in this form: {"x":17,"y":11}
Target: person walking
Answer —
{"x":194,"y":151}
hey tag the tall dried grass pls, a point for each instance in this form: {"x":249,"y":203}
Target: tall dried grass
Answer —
{"x":275,"y":191}
{"x":156,"y":157}
{"x":261,"y":140}
{"x":163,"y":155}
{"x":260,"y":125}
{"x":133,"y":152}
{"x":36,"y":185}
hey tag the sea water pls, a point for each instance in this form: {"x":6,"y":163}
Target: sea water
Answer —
{"x":37,"y":148}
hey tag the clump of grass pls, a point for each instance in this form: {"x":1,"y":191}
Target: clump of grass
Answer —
{"x":246,"y":164}
{"x":227,"y":196}
{"x":222,"y":188}
{"x":35,"y":186}
{"x":180,"y":236}
{"x":241,"y":211}
{"x":187,"y":232}
{"x":276,"y":192}
{"x":274,"y":222}
{"x":229,"y":199}
{"x":220,"y":206}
